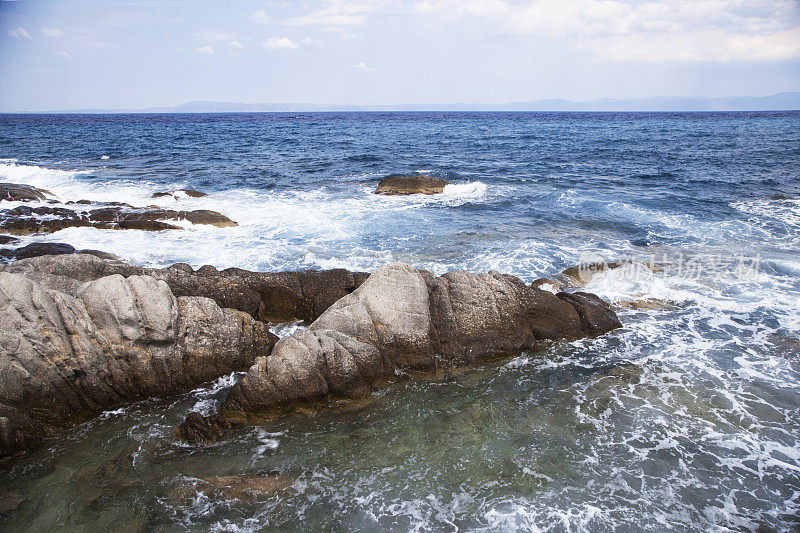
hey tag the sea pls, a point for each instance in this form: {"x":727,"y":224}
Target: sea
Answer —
{"x":685,"y":419}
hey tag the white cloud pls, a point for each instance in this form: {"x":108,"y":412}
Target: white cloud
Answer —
{"x":260,"y":16}
{"x":308,"y":41}
{"x":361,"y":66}
{"x":19,"y":33}
{"x":651,"y":30}
{"x":338,"y":13}
{"x":348,"y":35}
{"x":236,"y":45}
{"x":63,"y":55}
{"x":204,"y":50}
{"x":52,"y":32}
{"x":279,"y":43}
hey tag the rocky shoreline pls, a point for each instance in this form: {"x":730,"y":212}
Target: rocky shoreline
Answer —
{"x":82,"y":334}
{"x":82,"y":331}
{"x":26,"y":220}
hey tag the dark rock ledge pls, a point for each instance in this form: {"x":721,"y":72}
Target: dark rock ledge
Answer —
{"x":79,"y":334}
{"x":25,"y":219}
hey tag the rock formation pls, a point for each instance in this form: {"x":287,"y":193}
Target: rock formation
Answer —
{"x":418,"y":184}
{"x":269,"y":297}
{"x":79,"y":334}
{"x":175,"y":194}
{"x":24,"y":220}
{"x":22,"y":193}
{"x":70,"y":349}
{"x":406,"y":319}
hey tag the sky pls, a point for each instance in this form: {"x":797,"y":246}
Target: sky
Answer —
{"x":75,"y":54}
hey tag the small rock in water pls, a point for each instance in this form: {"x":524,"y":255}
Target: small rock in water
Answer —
{"x":402,"y":185}
{"x":22,"y":193}
{"x":188,"y":192}
{"x":43,"y":248}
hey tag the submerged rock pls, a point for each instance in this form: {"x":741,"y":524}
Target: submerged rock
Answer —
{"x":246,"y":489}
{"x":418,"y":184}
{"x":22,"y":193}
{"x":403,"y":318}
{"x":69,"y":349}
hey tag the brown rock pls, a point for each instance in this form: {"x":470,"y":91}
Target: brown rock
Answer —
{"x":417,"y":184}
{"x":22,"y":193}
{"x":43,"y":248}
{"x":246,"y":489}
{"x":402,"y":318}
{"x":204,"y":216}
{"x":188,"y":192}
{"x":146,"y":225}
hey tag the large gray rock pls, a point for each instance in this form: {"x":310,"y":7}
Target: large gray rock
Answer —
{"x":267,"y":296}
{"x":403,"y":318}
{"x":65,"y":354}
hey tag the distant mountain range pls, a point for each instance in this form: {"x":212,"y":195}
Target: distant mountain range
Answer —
{"x":775,"y":102}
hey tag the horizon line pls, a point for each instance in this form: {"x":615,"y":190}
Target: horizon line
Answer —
{"x":782,"y":101}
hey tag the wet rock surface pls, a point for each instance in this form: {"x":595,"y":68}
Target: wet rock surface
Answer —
{"x":82,"y":334}
{"x":403,"y":318}
{"x":402,"y":185}
{"x":192,"y":193}
{"x":25,"y":219}
{"x":16,"y":192}
{"x":66,"y":354}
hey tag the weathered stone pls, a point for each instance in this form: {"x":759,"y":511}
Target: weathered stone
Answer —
{"x":65,"y":355}
{"x":188,"y":192}
{"x":22,"y":193}
{"x":8,"y":239}
{"x":204,"y":216}
{"x":24,"y":220}
{"x":43,"y":248}
{"x":246,"y":489}
{"x":417,"y":184}
{"x":402,"y":318}
{"x":99,"y":253}
{"x":146,"y":225}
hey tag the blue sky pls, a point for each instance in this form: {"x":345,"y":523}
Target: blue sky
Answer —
{"x":81,"y":54}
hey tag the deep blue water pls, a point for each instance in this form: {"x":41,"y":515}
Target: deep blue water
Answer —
{"x":707,"y":438}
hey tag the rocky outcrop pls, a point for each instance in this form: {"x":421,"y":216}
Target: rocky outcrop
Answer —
{"x":22,"y":193}
{"x":403,"y":318}
{"x":24,"y":220}
{"x":70,"y":349}
{"x":37,"y":249}
{"x":269,"y":297}
{"x":418,"y":184}
{"x":176,"y":193}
